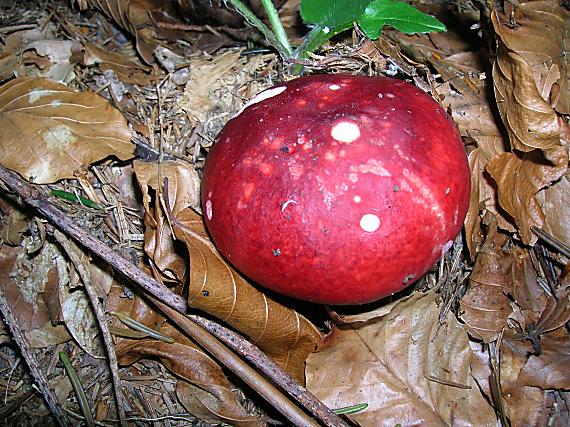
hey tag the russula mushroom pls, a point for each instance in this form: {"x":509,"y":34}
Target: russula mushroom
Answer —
{"x":336,"y":189}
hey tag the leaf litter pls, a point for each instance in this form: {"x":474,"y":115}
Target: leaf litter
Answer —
{"x":491,"y":332}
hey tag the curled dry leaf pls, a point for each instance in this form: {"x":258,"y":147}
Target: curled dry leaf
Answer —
{"x":519,"y":177}
{"x":211,"y":399}
{"x":128,"y":70}
{"x":406,"y":367}
{"x":137,"y":18}
{"x":540,"y":405}
{"x":554,"y":201}
{"x":528,"y":294}
{"x":545,"y":24}
{"x":549,"y":370}
{"x":485,"y":307}
{"x":183,"y":191}
{"x":218,"y":289}
{"x":47,"y":130}
{"x":483,"y":195}
{"x":214,"y":286}
{"x":530,"y":78}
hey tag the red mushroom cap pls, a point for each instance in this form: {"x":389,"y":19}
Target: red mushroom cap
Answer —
{"x":336,"y":189}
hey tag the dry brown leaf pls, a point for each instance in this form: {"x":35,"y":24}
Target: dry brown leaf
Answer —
{"x":554,"y":201}
{"x":216,"y":288}
{"x":522,"y":70}
{"x":407,"y":368}
{"x":527,"y":292}
{"x":136,"y":18}
{"x":485,"y":307}
{"x":22,"y":285}
{"x":183,"y":191}
{"x":557,"y":311}
{"x":204,"y":73}
{"x":520,"y":177}
{"x":483,"y":196}
{"x":212,"y":398}
{"x":127,"y":70}
{"x":549,"y":370}
{"x":538,"y":32}
{"x":47,"y":130}
{"x":539,"y":406}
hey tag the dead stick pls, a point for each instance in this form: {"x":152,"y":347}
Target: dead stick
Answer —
{"x":242,"y":370}
{"x":30,"y":358}
{"x":37,"y":200}
{"x":100,"y":316}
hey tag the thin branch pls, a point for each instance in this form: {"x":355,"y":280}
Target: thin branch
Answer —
{"x":30,"y":358}
{"x":37,"y":200}
{"x":242,"y":370}
{"x":101,"y":319}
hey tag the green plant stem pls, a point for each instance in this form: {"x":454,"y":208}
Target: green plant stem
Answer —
{"x":315,"y":39}
{"x":264,"y":29}
{"x":276,"y":25}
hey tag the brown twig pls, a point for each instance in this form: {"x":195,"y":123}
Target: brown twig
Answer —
{"x":29,"y":357}
{"x":100,"y":316}
{"x":35,"y":199}
{"x":242,"y":370}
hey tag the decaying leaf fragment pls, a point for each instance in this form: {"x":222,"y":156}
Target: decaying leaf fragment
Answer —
{"x":407,"y":368}
{"x":203,"y":389}
{"x":47,"y":130}
{"x":530,"y":78}
{"x":485,"y":307}
{"x":520,"y":177}
{"x":214,"y":286}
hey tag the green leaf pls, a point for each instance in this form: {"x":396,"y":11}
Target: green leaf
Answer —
{"x":397,"y":14}
{"x":332,"y":13}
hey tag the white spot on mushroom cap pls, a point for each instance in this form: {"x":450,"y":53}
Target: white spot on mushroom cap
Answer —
{"x":357,"y":199}
{"x":262,"y":96}
{"x":369,"y":223}
{"x":334,"y":87}
{"x":209,"y":209}
{"x":345,"y":132}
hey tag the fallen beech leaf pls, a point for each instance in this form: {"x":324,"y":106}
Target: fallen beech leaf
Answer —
{"x":525,"y":75}
{"x":197,"y":99}
{"x":539,"y":407}
{"x":216,"y":288}
{"x":212,"y":400}
{"x":528,"y":294}
{"x":183,"y":191}
{"x":549,"y":370}
{"x":25,"y":278}
{"x":80,"y":320}
{"x":554,"y":201}
{"x":545,"y":23}
{"x":399,"y":366}
{"x":47,"y":130}
{"x":485,"y":307}
{"x":520,"y":177}
{"x":128,"y":70}
{"x":139,"y":18}
{"x":483,"y":195}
